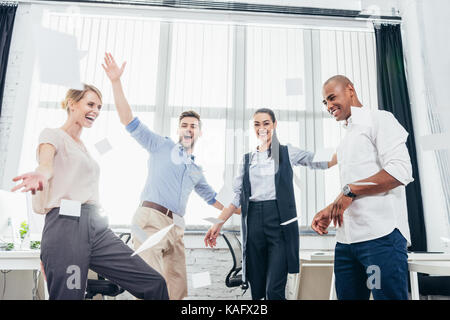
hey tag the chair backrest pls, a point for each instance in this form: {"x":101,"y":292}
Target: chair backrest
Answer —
{"x":234,"y":279}
{"x":235,"y":248}
{"x":103,"y":286}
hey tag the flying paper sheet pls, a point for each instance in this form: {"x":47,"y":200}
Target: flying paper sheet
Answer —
{"x":225,"y":195}
{"x":289,"y":221}
{"x":153,"y":240}
{"x":324,"y":155}
{"x":138,"y":233}
{"x":70,"y":208}
{"x":179,"y":221}
{"x":201,"y":279}
{"x":59,"y":58}
{"x":213,"y":220}
{"x":103,"y":146}
{"x":364,"y":183}
{"x":294,"y":87}
{"x":436,"y":141}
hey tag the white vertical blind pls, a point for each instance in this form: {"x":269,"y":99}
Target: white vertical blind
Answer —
{"x":222,"y":71}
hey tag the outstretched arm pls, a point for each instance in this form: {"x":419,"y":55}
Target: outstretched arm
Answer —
{"x":299,"y":157}
{"x":218,"y":205}
{"x":333,"y":161}
{"x":214,"y":231}
{"x":114,"y":73}
{"x":38,"y":179}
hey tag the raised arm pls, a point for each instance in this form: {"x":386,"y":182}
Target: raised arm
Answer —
{"x":114,"y":73}
{"x":38,"y":179}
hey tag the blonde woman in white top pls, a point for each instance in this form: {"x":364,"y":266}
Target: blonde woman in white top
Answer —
{"x":71,"y":245}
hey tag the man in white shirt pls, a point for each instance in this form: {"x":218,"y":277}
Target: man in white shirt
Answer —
{"x":370,"y":213}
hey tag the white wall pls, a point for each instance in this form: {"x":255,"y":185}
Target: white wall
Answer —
{"x":426,"y":47}
{"x":16,"y":96}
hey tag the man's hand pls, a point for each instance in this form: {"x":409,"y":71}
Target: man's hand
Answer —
{"x":338,"y":207}
{"x":111,"y":68}
{"x":321,"y":221}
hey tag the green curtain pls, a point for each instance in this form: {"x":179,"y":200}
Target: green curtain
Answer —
{"x":393,"y":97}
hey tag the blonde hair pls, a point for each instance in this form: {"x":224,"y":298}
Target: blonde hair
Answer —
{"x":77,"y":95}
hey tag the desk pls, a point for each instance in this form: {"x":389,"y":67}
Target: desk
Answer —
{"x":314,"y":266}
{"x":22,"y":260}
{"x":441,"y":268}
{"x":432,"y":263}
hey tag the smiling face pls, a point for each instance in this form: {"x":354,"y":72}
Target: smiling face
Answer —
{"x":85,"y":111}
{"x":338,"y":99}
{"x":264,"y":127}
{"x":189,"y":131}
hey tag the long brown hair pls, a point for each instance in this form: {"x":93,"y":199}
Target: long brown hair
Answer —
{"x":274,"y":148}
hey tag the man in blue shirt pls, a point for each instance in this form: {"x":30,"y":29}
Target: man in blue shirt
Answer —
{"x":172,"y":176}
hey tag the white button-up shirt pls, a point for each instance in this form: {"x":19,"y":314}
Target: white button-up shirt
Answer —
{"x":262,"y":173}
{"x":374,"y":140}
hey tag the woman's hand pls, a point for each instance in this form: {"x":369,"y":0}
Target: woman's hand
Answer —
{"x":333,"y":161}
{"x":112,"y":69}
{"x":32,"y":181}
{"x":212,"y":234}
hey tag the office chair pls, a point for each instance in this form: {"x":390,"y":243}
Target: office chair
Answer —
{"x":432,"y":285}
{"x":103,"y":286}
{"x":234,"y":278}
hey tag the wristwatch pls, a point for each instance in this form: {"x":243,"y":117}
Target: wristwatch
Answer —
{"x":348,"y":192}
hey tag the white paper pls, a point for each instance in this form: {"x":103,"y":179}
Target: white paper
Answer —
{"x":179,"y":221}
{"x":201,"y":279}
{"x":436,"y":141}
{"x":364,"y":183}
{"x":59,"y":58}
{"x":225,"y":196}
{"x":70,"y":208}
{"x":361,"y":116}
{"x":289,"y":221}
{"x":103,"y":146}
{"x":445,"y":239}
{"x":294,"y":87}
{"x":213,"y":220}
{"x":138,"y":233}
{"x":324,"y":155}
{"x":153,"y":240}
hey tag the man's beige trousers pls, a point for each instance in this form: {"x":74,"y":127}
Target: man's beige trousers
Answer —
{"x":167,"y":257}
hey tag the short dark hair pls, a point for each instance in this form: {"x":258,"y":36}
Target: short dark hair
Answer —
{"x":340,"y":79}
{"x":191,"y":113}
